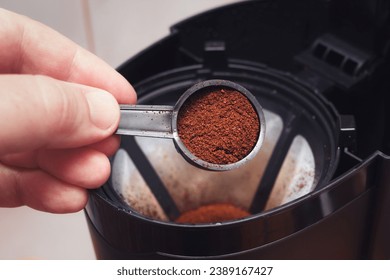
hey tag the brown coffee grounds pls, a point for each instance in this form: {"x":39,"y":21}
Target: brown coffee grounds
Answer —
{"x":219,"y":126}
{"x":212,"y":213}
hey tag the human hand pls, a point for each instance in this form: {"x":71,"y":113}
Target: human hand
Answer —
{"x":58,"y":112}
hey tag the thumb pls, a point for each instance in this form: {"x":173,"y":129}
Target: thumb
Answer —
{"x":41,"y":112}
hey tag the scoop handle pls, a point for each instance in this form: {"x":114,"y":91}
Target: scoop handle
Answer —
{"x":146,"y":120}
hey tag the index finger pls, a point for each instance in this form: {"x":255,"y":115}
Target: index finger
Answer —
{"x":29,"y":47}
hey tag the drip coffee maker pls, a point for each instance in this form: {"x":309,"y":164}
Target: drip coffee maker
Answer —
{"x":318,"y":188}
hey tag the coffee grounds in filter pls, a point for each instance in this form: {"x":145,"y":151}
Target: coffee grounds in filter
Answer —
{"x":218,"y":125}
{"x":213,"y":213}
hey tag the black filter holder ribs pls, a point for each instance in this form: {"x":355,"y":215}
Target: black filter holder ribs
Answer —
{"x":337,"y":61}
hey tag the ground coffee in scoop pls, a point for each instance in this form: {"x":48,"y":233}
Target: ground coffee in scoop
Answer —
{"x":218,"y":125}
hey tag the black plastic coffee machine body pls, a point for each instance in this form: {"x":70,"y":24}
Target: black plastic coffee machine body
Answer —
{"x":321,"y":188}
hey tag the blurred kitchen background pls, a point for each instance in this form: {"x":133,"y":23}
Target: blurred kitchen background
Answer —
{"x":114,"y":30}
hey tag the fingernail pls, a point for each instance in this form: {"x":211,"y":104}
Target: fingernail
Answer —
{"x":103,"y":108}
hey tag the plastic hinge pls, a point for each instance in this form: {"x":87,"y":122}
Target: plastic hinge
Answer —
{"x":214,"y":55}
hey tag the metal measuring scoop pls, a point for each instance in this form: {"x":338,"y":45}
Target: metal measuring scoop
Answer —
{"x":161,"y":122}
